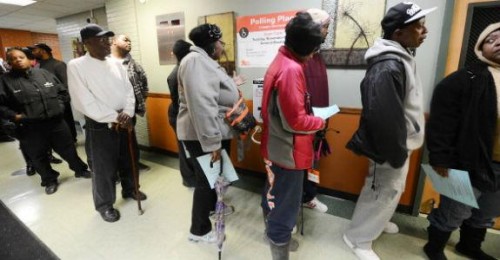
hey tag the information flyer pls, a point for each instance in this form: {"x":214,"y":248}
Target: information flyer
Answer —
{"x":259,"y":38}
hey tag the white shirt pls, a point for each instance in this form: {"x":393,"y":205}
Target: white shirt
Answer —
{"x":100,"y":88}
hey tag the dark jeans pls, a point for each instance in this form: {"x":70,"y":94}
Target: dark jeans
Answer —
{"x":38,"y":138}
{"x":70,"y":121}
{"x":451,"y":214}
{"x":310,"y":190}
{"x":281,"y":202}
{"x":108,"y":151}
{"x":204,"y":198}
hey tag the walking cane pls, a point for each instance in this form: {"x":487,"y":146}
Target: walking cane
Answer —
{"x":135,"y":173}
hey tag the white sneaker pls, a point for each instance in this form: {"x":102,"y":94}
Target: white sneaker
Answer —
{"x":362,"y":254}
{"x":209,"y":237}
{"x":295,"y":229}
{"x":391,"y":228}
{"x":317,"y":205}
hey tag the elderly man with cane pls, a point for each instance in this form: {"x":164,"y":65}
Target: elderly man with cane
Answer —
{"x":101,"y":90}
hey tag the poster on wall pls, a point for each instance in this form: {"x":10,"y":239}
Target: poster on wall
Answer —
{"x":355,"y":26}
{"x":259,"y":38}
{"x":169,"y":29}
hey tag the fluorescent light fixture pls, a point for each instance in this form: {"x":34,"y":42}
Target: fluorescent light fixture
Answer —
{"x":17,"y":2}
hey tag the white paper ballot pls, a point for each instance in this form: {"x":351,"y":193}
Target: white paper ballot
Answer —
{"x":212,"y":173}
{"x":325,"y":112}
{"x":457,"y":186}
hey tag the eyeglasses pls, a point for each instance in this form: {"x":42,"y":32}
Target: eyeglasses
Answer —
{"x":222,"y":43}
{"x":105,"y":39}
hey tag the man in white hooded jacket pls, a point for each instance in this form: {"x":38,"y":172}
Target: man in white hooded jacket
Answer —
{"x":391,"y":124}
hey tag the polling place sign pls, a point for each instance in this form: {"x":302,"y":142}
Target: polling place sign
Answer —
{"x":259,"y":38}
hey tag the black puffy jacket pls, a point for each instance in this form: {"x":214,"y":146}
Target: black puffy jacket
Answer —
{"x":462,"y":125}
{"x":36,"y":94}
{"x":381,"y":135}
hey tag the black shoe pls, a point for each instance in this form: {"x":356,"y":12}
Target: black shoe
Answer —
{"x":84,"y":174}
{"x":54,"y":159}
{"x":470,"y":243}
{"x":110,"y":215}
{"x":51,"y":188}
{"x":143,"y":167}
{"x":437,"y":239}
{"x":6,"y":138}
{"x":134,"y":196}
{"x":30,"y":170}
{"x":188,"y":184}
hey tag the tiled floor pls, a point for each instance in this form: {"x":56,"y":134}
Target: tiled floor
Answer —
{"x":68,"y":224}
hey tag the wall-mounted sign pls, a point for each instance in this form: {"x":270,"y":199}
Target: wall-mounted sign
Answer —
{"x":259,"y":37}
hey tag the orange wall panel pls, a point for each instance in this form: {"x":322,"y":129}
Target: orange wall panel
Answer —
{"x":13,"y":38}
{"x":341,"y":171}
{"x":161,"y":134}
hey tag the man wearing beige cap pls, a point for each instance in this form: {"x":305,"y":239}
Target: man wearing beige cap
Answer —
{"x":391,"y":124}
{"x":317,"y":86}
{"x":463,"y":133}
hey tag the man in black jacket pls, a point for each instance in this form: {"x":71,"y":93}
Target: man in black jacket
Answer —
{"x":120,"y":50}
{"x":33,"y":99}
{"x":43,"y":53}
{"x":463,"y":133}
{"x":391,"y":124}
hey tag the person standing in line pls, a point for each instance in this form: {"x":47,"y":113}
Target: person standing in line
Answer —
{"x":120,"y":50}
{"x":4,"y":136}
{"x":43,"y":53}
{"x":463,"y":133}
{"x":317,"y":86}
{"x":101,"y":90}
{"x":206,"y":93}
{"x":180,"y":50}
{"x":391,"y":124}
{"x":33,"y":99}
{"x":288,"y":131}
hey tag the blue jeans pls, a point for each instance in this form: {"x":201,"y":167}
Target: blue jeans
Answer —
{"x":281,"y":202}
{"x":452,"y":214}
{"x":109,"y":153}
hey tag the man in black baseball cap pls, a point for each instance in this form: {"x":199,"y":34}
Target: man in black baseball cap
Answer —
{"x":43,"y":53}
{"x":391,"y":127}
{"x":41,"y":46}
{"x":401,"y":15}
{"x":100,"y":89}
{"x":94,"y":30}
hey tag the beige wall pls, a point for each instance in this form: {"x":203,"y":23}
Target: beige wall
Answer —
{"x":344,"y":84}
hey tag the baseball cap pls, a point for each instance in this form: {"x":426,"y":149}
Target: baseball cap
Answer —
{"x":42,"y":46}
{"x":401,"y":15}
{"x":94,"y":30}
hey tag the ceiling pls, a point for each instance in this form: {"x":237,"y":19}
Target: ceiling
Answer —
{"x":41,"y":16}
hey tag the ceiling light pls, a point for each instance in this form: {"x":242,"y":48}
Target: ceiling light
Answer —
{"x":17,"y":2}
